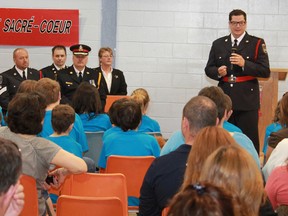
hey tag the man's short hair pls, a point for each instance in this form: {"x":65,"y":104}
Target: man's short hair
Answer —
{"x":26,"y":113}
{"x":201,"y":112}
{"x":49,"y":88}
{"x":61,"y":47}
{"x":11,"y":164}
{"x":237,"y":12}
{"x":112,"y":112}
{"x":129,"y":115}
{"x":217,"y":95}
{"x":62,"y":117}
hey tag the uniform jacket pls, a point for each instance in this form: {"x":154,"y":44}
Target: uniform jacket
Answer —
{"x":118,"y":85}
{"x":12,"y":80}
{"x":69,"y":82}
{"x":244,"y":95}
{"x":50,"y":72}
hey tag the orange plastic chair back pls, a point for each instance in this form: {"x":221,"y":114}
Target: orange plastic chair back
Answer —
{"x":97,"y":185}
{"x":31,"y":196}
{"x":110,"y":99}
{"x":134,"y":168}
{"x":89,"y":206}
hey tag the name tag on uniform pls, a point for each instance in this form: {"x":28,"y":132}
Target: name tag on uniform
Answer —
{"x":68,"y":83}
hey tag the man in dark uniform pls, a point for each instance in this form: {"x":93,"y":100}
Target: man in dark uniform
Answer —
{"x":59,"y":56}
{"x":71,"y":77}
{"x":236,"y":60}
{"x":14,"y":76}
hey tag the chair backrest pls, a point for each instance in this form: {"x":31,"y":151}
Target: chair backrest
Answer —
{"x":31,"y":196}
{"x":89,"y":206}
{"x":133,"y":167}
{"x":95,"y":144}
{"x":98,"y":185}
{"x":110,"y":99}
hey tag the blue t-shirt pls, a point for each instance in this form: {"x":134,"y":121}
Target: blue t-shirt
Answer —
{"x":148,"y":125}
{"x":76,"y":133}
{"x":129,"y":143}
{"x":270,"y":129}
{"x":68,"y":144}
{"x":231,"y":127}
{"x":100,"y":122}
{"x":112,"y":130}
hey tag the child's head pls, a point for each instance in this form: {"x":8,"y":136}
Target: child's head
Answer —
{"x":113,"y":110}
{"x":141,"y":96}
{"x":63,"y":116}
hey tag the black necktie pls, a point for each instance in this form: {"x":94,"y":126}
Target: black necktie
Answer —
{"x":235,"y":43}
{"x":80,"y":76}
{"x":24,"y":76}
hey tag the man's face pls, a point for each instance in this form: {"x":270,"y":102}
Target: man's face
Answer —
{"x":237,"y":25}
{"x":80,"y":61}
{"x":21,"y":59}
{"x":59,"y":58}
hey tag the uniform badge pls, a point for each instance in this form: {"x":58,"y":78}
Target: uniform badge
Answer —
{"x":68,"y":83}
{"x":264,"y":48}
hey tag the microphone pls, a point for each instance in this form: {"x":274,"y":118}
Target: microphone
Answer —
{"x":233,"y":50}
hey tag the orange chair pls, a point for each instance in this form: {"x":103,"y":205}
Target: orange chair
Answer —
{"x":97,"y":185}
{"x":31,"y":196}
{"x":134,"y":168}
{"x":110,"y":99}
{"x":89,"y":206}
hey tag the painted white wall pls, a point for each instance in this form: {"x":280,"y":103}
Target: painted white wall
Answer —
{"x":163,"y":45}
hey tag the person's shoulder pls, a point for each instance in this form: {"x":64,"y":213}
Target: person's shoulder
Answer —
{"x":9,"y":71}
{"x":33,"y":70}
{"x":117,"y":71}
{"x":221,"y":40}
{"x":47,"y":68}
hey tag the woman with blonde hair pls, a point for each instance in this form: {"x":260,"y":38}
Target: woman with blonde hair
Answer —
{"x":207,"y":141}
{"x":147,"y":124}
{"x":232,"y":168}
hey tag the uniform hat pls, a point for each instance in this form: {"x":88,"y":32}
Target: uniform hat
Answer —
{"x":80,"y":49}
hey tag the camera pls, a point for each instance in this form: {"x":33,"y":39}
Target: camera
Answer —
{"x":49,"y":179}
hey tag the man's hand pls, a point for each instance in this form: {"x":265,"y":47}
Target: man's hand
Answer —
{"x":222,"y":71}
{"x":237,"y":59}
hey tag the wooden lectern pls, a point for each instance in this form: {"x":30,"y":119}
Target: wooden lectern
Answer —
{"x":110,"y":99}
{"x":268,"y":100}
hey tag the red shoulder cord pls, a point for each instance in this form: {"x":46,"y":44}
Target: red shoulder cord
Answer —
{"x":256,"y":50}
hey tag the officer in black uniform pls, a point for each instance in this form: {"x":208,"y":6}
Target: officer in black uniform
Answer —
{"x":71,"y":77}
{"x":59,"y":56}
{"x":236,"y":61}
{"x":12,"y":78}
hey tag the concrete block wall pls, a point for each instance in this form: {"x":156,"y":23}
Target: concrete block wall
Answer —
{"x":163,"y":45}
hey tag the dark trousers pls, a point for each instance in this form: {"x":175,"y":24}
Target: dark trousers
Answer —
{"x":247,"y":121}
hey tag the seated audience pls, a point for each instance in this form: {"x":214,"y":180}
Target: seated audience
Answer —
{"x":128,"y":141}
{"x":11,"y":191}
{"x":232,"y":168}
{"x":275,"y":126}
{"x":203,"y":199}
{"x":87,"y":104}
{"x":278,"y":136}
{"x":26,"y":114}
{"x":51,"y":90}
{"x":217,"y":95}
{"x":277,"y":186}
{"x":147,"y":124}
{"x":165,"y":175}
{"x":27,"y":86}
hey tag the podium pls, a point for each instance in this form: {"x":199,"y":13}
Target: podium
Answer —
{"x":110,"y":99}
{"x":268,"y":99}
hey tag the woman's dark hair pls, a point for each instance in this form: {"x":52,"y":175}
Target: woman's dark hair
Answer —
{"x":26,"y":112}
{"x":86,"y":99}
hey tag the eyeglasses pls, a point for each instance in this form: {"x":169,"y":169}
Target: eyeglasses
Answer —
{"x":107,"y":56}
{"x":234,"y":23}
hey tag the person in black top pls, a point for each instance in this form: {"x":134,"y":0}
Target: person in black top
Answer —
{"x":59,"y":56}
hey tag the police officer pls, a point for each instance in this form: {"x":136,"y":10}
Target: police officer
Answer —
{"x":235,"y":61}
{"x":12,"y":78}
{"x":71,"y":77}
{"x":59,"y":56}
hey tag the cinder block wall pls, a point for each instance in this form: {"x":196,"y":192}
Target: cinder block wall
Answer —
{"x":163,"y":45}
